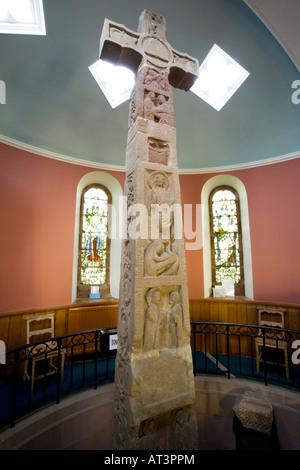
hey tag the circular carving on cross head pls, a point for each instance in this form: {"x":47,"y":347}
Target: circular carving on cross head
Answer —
{"x":157,"y":51}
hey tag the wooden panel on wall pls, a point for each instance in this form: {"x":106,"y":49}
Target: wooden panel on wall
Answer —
{"x":81,"y":317}
{"x":91,"y":318}
{"x":240,"y":311}
{"x":13,"y":324}
{"x":236,"y":311}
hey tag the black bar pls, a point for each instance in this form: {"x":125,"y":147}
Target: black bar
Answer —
{"x":205,"y":350}
{"x":265,"y":361}
{"x":71,"y":365}
{"x":217,"y":353}
{"x":240,"y":355}
{"x":83,"y":365}
{"x":96,"y":360}
{"x":58,"y":371}
{"x":194,"y":341}
{"x":45,"y":376}
{"x":228,"y":351}
{"x":14,"y":394}
{"x":252,"y":355}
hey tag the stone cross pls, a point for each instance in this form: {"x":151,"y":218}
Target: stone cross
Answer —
{"x":154,"y":383}
{"x":122,"y":46}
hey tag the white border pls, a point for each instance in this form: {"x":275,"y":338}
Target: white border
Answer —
{"x":38,"y":28}
{"x":218,"y":105}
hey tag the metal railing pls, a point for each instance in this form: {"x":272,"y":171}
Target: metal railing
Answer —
{"x":262,"y":353}
{"x":85,"y":360}
{"x":79,"y":361}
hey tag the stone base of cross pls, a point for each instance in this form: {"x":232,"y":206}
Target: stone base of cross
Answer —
{"x":154,"y":383}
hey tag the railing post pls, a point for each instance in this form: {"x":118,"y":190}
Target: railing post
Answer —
{"x":14,"y":391}
{"x":264,"y":353}
{"x":58,"y":370}
{"x":228,"y":351}
{"x":96,"y":360}
{"x":194,"y":345}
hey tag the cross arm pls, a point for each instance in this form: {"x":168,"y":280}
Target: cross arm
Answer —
{"x":184,"y":70}
{"x":119,"y":45}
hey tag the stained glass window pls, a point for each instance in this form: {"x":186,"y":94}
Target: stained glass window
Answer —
{"x":226,"y":242}
{"x":94,"y":242}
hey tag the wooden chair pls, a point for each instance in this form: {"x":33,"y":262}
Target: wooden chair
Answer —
{"x":41,"y":328}
{"x":273,"y":339}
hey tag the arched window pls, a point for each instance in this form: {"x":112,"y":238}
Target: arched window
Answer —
{"x":94,"y":242}
{"x":226,"y":238}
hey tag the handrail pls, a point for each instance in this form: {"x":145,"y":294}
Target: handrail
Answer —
{"x":89,"y":364}
{"x":243,"y":348}
{"x":228,"y":349}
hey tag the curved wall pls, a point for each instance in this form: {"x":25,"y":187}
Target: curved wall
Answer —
{"x":38,"y":207}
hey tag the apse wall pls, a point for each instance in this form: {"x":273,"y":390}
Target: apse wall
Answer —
{"x":38,"y":205}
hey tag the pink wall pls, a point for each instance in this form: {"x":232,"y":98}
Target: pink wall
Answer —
{"x":273,"y":193}
{"x":273,"y":199}
{"x":38,"y":197}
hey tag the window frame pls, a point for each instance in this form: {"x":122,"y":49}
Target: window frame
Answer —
{"x":239,"y":287}
{"x":83,"y":291}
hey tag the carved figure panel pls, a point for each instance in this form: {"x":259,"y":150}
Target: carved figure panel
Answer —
{"x":154,"y":431}
{"x":155,"y":80}
{"x":160,"y":187}
{"x":164,"y":323}
{"x":157,"y":108}
{"x":152,"y":97}
{"x":158,"y":151}
{"x":160,"y":260}
{"x":161,"y":251}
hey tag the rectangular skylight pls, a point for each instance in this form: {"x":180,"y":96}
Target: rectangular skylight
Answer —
{"x":22,"y":17}
{"x":116,"y":82}
{"x":219,"y":78}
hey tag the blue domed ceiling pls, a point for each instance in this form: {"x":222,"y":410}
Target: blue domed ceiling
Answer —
{"x":53,"y":102}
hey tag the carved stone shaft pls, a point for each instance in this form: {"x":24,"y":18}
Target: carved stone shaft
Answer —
{"x":154,"y":397}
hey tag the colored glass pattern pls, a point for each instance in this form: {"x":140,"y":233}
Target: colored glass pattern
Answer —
{"x":226,"y":238}
{"x":94,"y":237}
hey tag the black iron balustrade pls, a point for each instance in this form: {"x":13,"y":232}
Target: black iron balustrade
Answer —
{"x":226,"y":349}
{"x":88,"y":362}
{"x":231,"y":349}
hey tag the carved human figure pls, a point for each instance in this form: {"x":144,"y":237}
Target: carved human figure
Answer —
{"x":176,"y":319}
{"x":158,"y":194}
{"x":159,"y":261}
{"x":159,"y":202}
{"x":156,"y":108}
{"x":149,"y":106}
{"x":161,"y":111}
{"x":151,"y":318}
{"x":154,"y":79}
{"x":162,"y":331}
{"x":149,"y":436}
{"x":182,"y":429}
